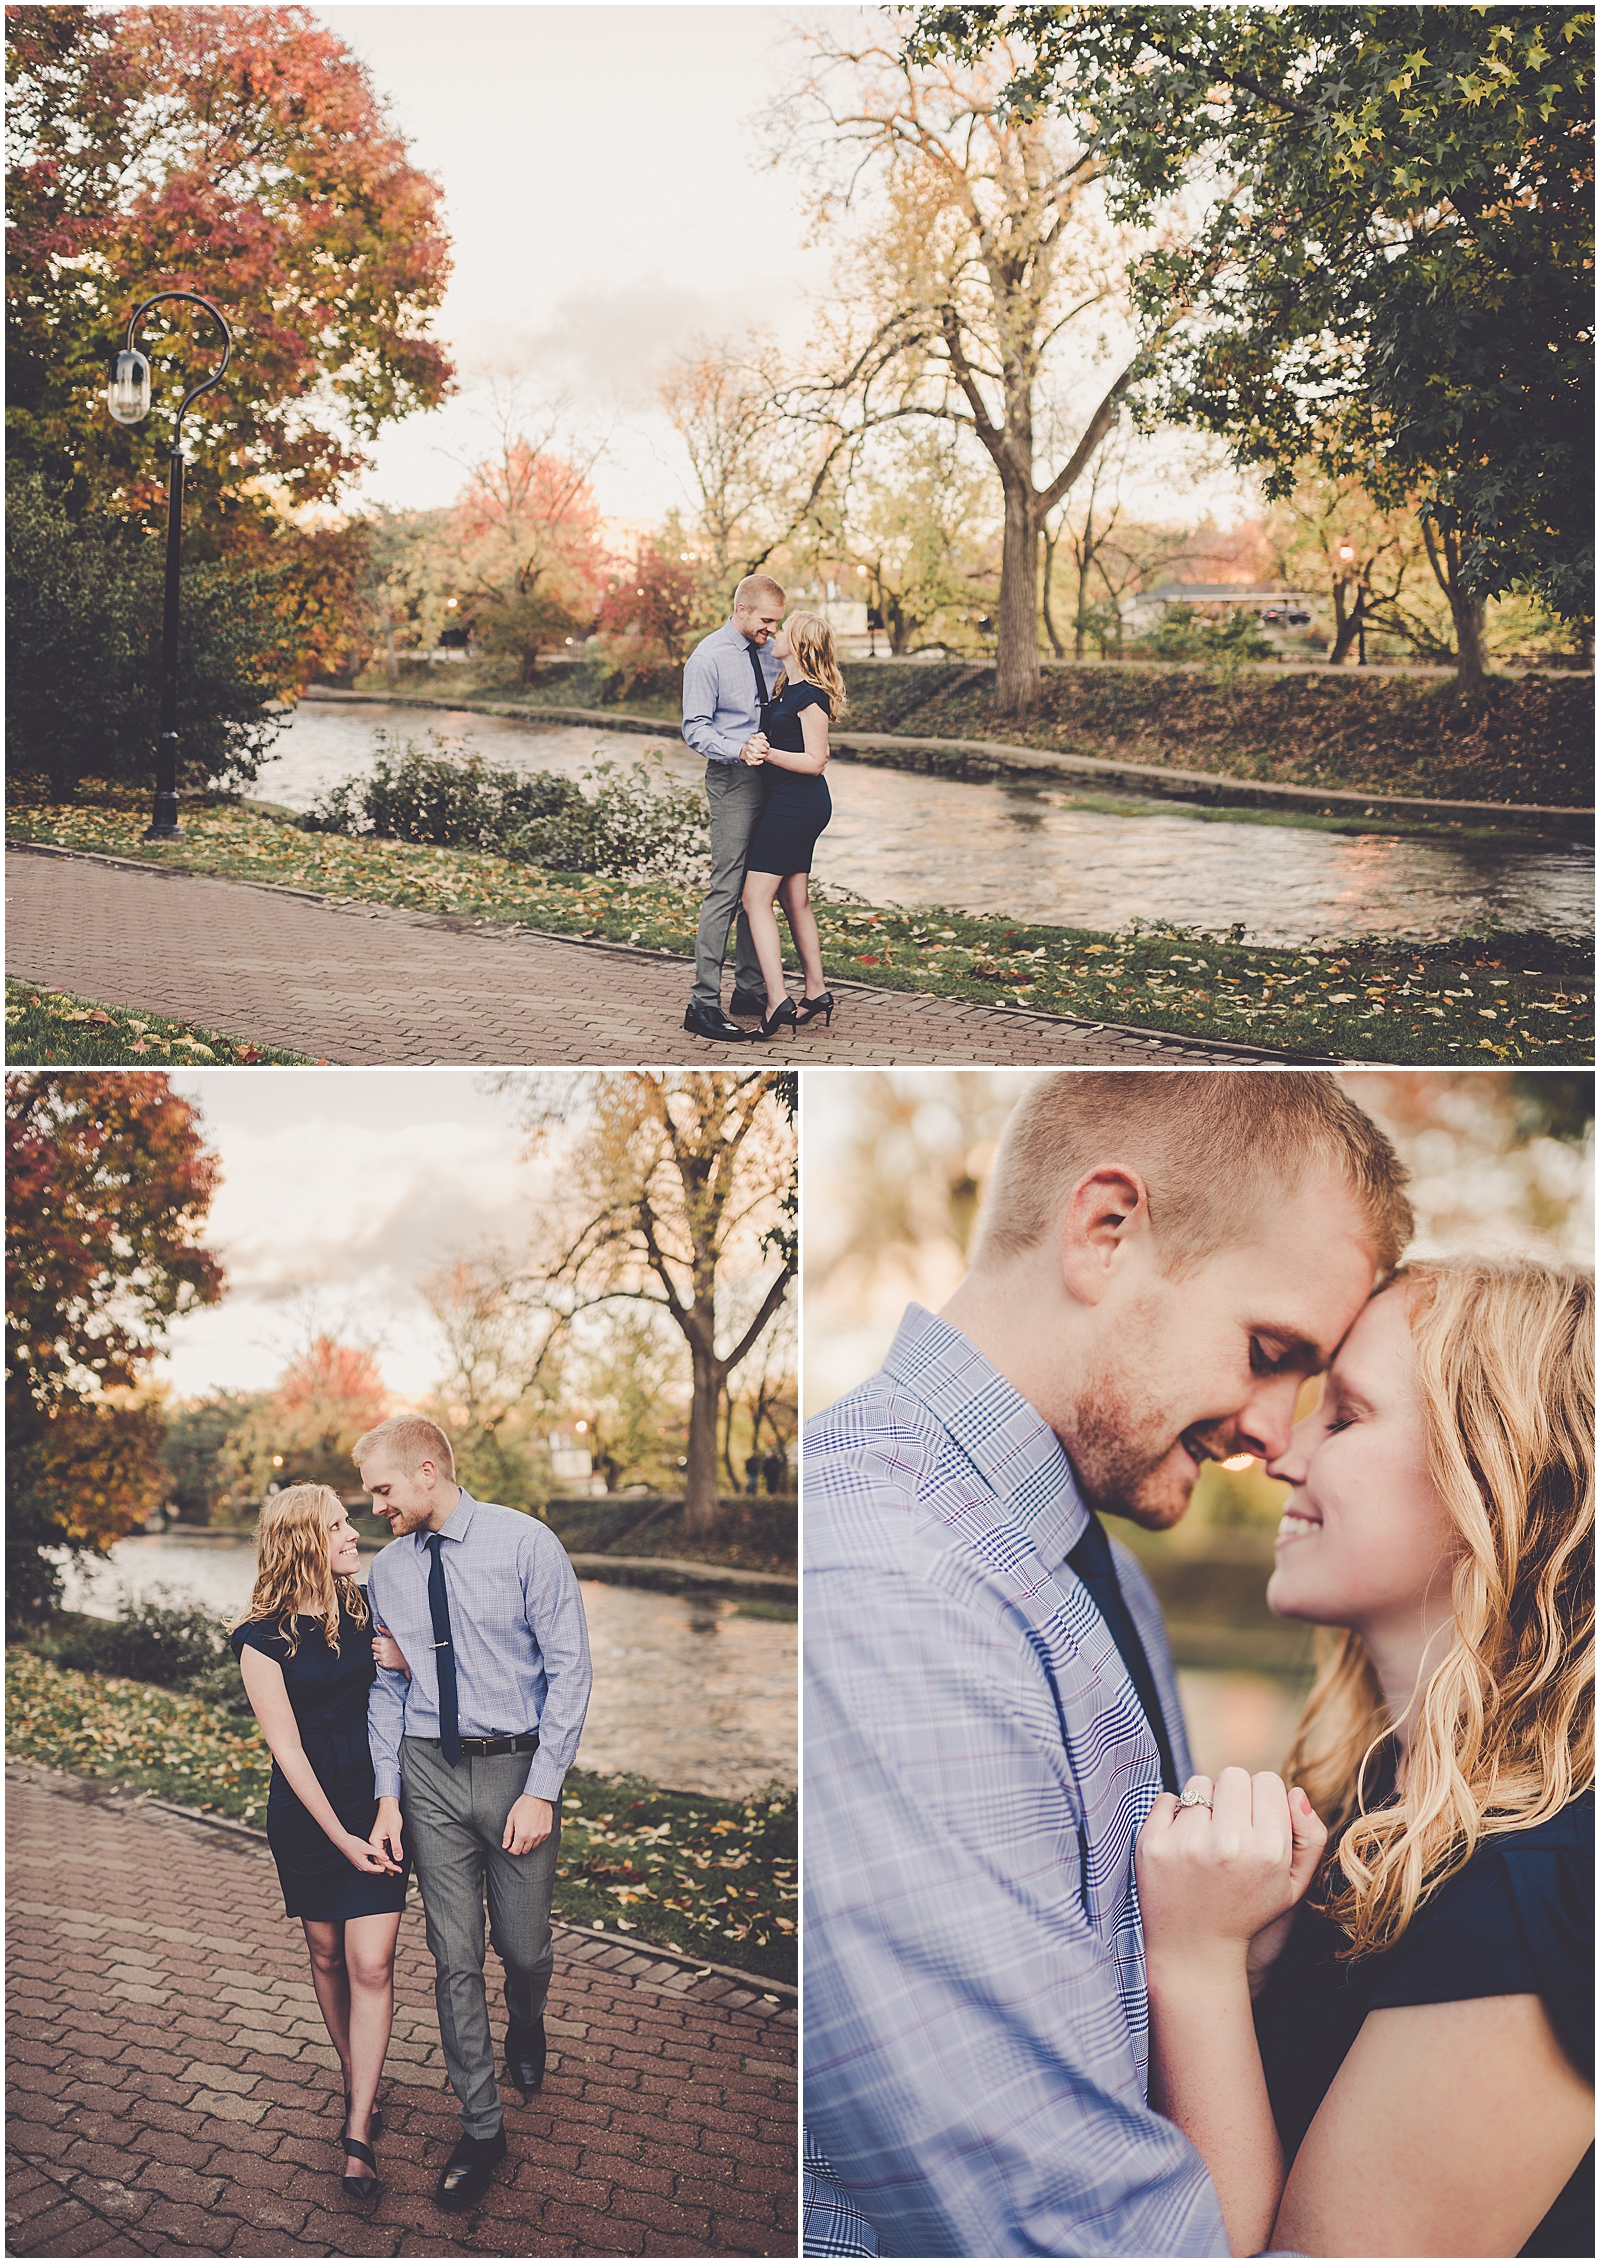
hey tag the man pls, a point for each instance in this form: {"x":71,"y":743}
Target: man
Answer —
{"x":726,"y":679}
{"x":991,"y":1708}
{"x":472,"y":1752}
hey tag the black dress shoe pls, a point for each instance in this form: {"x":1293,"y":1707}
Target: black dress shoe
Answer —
{"x":468,"y":2172}
{"x":711,"y":1021}
{"x":747,"y":1001}
{"x":525,"y":2049}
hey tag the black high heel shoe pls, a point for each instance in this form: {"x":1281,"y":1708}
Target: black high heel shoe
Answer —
{"x":810,"y":1008}
{"x":364,"y":2189}
{"x":374,"y":2121}
{"x":781,"y":1016}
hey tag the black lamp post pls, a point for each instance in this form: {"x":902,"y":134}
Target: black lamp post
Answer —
{"x":128,"y":398}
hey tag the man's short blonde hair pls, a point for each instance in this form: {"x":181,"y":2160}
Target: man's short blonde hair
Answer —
{"x":412,"y":1439}
{"x":758,"y":589}
{"x":1211,"y":1148}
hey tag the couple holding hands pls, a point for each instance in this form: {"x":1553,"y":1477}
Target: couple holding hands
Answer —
{"x":764,"y":734}
{"x":431,"y":1717}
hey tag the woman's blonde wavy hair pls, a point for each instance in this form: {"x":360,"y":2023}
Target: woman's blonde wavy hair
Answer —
{"x":1503,"y":1733}
{"x":292,"y":1566}
{"x":815,"y":661}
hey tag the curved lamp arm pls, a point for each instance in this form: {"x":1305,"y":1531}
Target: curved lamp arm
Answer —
{"x":192,"y":298}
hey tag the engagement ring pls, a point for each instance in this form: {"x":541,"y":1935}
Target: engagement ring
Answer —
{"x":1195,"y":1799}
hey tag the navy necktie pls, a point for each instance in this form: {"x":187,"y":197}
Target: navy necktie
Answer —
{"x":444,"y":1657}
{"x":762,"y":694}
{"x":1092,"y":1560}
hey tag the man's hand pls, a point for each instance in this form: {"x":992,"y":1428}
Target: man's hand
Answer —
{"x":385,"y":1832}
{"x":755,"y":750}
{"x":528,"y":1825}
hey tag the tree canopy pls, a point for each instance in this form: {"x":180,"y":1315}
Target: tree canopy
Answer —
{"x":110,"y":1184}
{"x":1391,"y":270}
{"x":238,"y":152}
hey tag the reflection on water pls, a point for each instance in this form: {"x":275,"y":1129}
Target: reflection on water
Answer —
{"x":1239,"y":1720}
{"x":1024,"y":851}
{"x":684,"y":1692}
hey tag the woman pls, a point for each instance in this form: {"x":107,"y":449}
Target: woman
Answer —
{"x":1417,"y":2078}
{"x":808,"y":694}
{"x":305,"y":1650}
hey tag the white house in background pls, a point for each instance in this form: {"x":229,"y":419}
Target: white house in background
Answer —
{"x":1141,"y":612}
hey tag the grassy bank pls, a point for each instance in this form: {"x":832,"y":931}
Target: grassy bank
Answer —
{"x":51,"y":1028}
{"x":1516,"y":739}
{"x":708,"y":1877}
{"x":1497,"y":998}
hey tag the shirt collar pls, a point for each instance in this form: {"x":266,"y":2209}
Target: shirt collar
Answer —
{"x":1009,"y":1443}
{"x":454,"y":1526}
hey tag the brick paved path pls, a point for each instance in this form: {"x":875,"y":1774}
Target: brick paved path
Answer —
{"x":363,"y":984}
{"x":171,"y":2089}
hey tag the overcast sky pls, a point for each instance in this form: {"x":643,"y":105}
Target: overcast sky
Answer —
{"x":340,"y":1191}
{"x":610,"y":193}
{"x":608,"y":197}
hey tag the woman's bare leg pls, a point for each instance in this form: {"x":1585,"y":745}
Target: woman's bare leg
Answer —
{"x":331,"y":1980}
{"x":796,"y":897}
{"x":369,"y":1962}
{"x":759,"y":890}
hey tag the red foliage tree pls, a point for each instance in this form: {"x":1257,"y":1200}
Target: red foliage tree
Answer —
{"x":654,"y":595}
{"x":110,"y":1185}
{"x":240,"y":152}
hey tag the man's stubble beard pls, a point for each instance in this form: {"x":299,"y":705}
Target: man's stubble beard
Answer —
{"x":1119,"y":1438}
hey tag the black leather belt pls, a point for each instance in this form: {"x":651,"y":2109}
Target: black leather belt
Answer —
{"x":485,"y":1748}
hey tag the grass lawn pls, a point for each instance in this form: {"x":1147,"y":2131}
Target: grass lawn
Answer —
{"x":1475,"y":1000}
{"x":712,"y":1878}
{"x":51,"y":1028}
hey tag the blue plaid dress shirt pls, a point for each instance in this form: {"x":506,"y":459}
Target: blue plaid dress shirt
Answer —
{"x":519,"y":1634}
{"x":977,"y":1767}
{"x":720,"y":710}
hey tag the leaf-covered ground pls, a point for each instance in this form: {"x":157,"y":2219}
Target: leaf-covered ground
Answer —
{"x":1480,"y":1001}
{"x":708,"y":1877}
{"x":51,"y":1028}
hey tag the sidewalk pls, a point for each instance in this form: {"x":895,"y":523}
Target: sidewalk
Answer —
{"x":171,"y":2089}
{"x":361,"y":984}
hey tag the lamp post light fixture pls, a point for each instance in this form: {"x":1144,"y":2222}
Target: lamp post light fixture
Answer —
{"x":128,"y":399}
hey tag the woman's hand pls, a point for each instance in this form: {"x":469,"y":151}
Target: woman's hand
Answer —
{"x":386,"y":1652}
{"x":1212,"y":1880}
{"x":755,"y":750}
{"x":362,"y":1855}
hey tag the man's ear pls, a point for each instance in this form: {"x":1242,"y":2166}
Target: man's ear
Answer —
{"x":1107,"y":1214}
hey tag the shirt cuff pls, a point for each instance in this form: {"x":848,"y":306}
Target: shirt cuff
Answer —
{"x":545,"y":1780}
{"x":386,"y":1782}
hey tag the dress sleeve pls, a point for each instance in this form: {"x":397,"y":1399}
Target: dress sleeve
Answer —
{"x":812,"y":695}
{"x":1518,"y":1921}
{"x":257,"y":1635}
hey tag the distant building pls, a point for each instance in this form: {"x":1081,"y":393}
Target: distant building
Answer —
{"x":1142,"y":612}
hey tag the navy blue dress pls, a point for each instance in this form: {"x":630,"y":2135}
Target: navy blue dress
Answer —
{"x":329,"y":1696}
{"x":799,"y":805}
{"x":1517,"y":1920}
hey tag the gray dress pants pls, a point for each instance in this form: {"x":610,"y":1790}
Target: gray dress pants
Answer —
{"x":737,"y":795}
{"x":454,"y":1819}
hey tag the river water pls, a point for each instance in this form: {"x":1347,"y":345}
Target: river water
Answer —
{"x":685,"y":1691}
{"x":1027,"y":853}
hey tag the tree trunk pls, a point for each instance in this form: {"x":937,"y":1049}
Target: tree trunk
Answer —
{"x":1345,"y":626}
{"x":392,"y":663}
{"x":1017,"y":659}
{"x":1056,"y":645}
{"x":700,"y":1489}
{"x":1466,"y":612}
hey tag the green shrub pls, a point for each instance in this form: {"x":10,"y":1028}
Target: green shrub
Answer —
{"x":84,"y":603}
{"x":430,"y":795}
{"x":632,"y":823}
{"x":154,"y":1640}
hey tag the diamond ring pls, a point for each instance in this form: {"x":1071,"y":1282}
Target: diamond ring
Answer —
{"x":1195,"y":1799}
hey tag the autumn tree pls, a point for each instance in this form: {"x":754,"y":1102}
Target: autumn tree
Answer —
{"x":724,"y":401}
{"x":677,"y":1181}
{"x":982,"y":254}
{"x":915,"y":513}
{"x":110,"y":1184}
{"x":327,"y":1395}
{"x":527,"y":553}
{"x":1391,"y":267}
{"x":242,"y":153}
{"x":653,"y":595}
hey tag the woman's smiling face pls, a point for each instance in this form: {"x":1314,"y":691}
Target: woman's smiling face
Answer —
{"x":1365,"y":1541}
